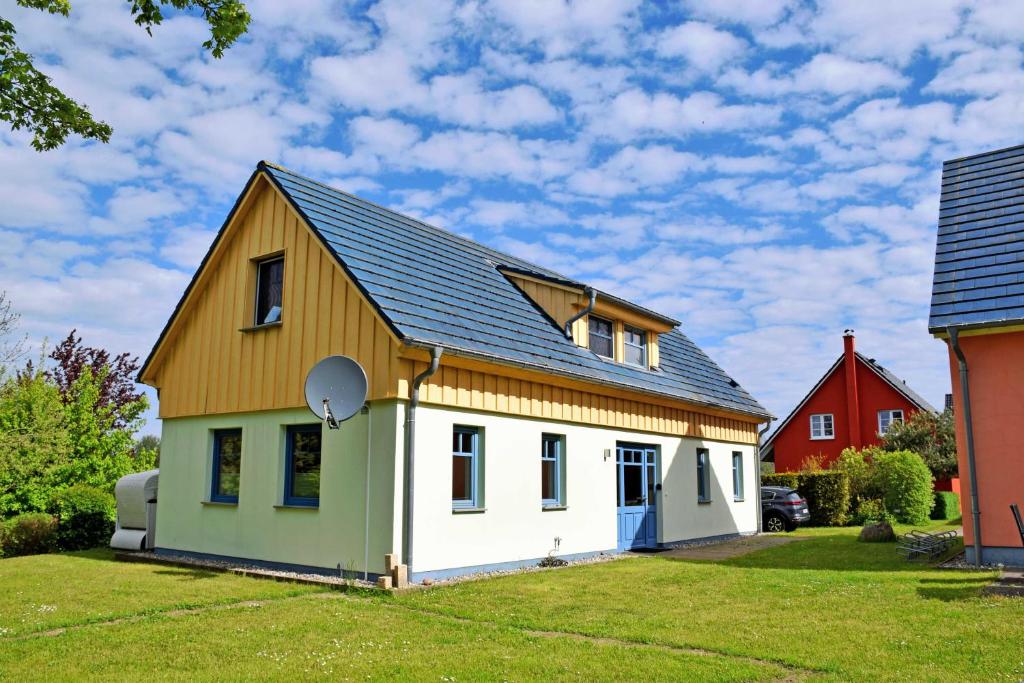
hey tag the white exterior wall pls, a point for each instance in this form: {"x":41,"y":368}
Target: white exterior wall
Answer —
{"x":514,"y":527}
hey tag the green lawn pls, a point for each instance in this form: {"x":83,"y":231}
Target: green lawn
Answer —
{"x":826,"y":608}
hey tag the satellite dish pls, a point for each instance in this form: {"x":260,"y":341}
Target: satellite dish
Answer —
{"x":336,"y":389}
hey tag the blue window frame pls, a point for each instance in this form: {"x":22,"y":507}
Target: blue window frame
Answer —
{"x":737,"y":475}
{"x":552,"y":470}
{"x":466,"y":468}
{"x":302,"y":465}
{"x":703,"y":475}
{"x":227,"y":465}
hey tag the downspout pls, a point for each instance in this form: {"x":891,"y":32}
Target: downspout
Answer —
{"x":592,"y":294}
{"x":410,"y":451}
{"x":965,"y":394}
{"x":757,"y":452}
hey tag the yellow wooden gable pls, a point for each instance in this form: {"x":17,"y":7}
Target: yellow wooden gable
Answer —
{"x":211,"y":359}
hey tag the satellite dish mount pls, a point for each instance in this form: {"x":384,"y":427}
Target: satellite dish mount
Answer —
{"x":336,"y":389}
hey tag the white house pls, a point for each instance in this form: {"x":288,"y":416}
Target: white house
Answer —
{"x":511,"y":414}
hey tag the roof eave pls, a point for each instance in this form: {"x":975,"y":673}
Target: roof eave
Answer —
{"x":500,"y":360}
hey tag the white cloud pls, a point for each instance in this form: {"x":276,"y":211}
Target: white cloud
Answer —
{"x":185,"y":247}
{"x":561,"y":28}
{"x":750,"y":12}
{"x":704,"y":47}
{"x":984,"y":71}
{"x":825,"y":74}
{"x":880,"y":29}
{"x":635,"y":113}
{"x":632,"y":169}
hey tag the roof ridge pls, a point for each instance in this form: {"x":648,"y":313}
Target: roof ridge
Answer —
{"x":448,"y":233}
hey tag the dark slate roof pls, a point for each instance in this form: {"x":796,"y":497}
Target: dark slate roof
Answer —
{"x":979,"y":256}
{"x":899,"y":384}
{"x":433,"y":287}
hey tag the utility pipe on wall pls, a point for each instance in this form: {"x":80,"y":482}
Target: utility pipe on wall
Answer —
{"x":592,"y":294}
{"x":757,"y":458}
{"x":369,"y":460}
{"x":410,"y":451}
{"x":965,"y":395}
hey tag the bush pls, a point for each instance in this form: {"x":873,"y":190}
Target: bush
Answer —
{"x":906,"y":485}
{"x":31,"y":533}
{"x":859,"y":469}
{"x":947,"y":505}
{"x":85,"y":517}
{"x":827,"y":493}
{"x":866,"y":511}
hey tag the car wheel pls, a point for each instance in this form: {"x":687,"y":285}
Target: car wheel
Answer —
{"x":774,"y":523}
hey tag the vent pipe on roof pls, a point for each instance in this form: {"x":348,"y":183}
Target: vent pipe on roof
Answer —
{"x":965,"y":395}
{"x":410,"y":452}
{"x":590,"y":292}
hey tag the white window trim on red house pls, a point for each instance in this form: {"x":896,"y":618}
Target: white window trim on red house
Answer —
{"x":894,"y":415}
{"x":824,"y":435}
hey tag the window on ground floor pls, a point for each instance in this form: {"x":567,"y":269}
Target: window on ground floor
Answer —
{"x":552,"y":470}
{"x":737,"y":475}
{"x":227,"y":465}
{"x":823,"y":426}
{"x":302,"y":465}
{"x":703,"y":475}
{"x":466,"y":466}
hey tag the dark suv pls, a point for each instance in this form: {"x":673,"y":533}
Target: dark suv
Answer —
{"x":782,"y":508}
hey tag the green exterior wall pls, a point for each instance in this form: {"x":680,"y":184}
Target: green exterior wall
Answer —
{"x":258,"y":527}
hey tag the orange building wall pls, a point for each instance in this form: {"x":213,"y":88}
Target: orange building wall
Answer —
{"x":995,"y":365}
{"x":794,"y":444}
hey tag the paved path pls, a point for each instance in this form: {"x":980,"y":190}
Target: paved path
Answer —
{"x":726,"y":550}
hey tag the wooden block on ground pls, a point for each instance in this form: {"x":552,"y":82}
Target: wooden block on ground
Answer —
{"x":390,"y":562}
{"x":384,"y":582}
{"x":400,"y":576}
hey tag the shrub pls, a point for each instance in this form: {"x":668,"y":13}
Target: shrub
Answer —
{"x":780,"y":479}
{"x":827,"y":493}
{"x":947,"y":505}
{"x":906,"y":485}
{"x":31,"y":533}
{"x":859,"y":469}
{"x":85,"y":517}
{"x":866,"y":511}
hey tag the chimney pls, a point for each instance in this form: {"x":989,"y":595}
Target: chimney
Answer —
{"x":852,"y":394}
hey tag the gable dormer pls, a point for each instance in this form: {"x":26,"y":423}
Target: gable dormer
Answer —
{"x":614,"y":329}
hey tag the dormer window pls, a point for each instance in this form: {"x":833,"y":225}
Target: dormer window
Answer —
{"x":269,"y":289}
{"x":635,"y":346}
{"x":600,"y":337}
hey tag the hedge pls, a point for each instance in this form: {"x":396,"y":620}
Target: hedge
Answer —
{"x":31,"y":533}
{"x":85,"y":517}
{"x":947,"y":505}
{"x":827,"y":493}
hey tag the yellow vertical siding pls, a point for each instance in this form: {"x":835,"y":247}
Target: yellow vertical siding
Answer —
{"x":209,"y":363}
{"x":494,"y":390}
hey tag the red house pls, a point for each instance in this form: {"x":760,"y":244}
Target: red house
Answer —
{"x":852,"y":405}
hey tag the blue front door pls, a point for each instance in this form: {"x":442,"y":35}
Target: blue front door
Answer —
{"x":637,"y":478}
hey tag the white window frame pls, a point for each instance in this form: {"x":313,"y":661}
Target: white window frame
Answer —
{"x":891,"y":414}
{"x":626,"y":331}
{"x":823,"y":435}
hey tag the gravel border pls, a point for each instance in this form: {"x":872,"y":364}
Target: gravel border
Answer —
{"x":243,"y":569}
{"x":959,"y":561}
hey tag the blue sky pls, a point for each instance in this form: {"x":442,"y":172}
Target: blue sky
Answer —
{"x":765,"y":171}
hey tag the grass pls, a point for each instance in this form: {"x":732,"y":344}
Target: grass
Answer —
{"x":824,"y":608}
